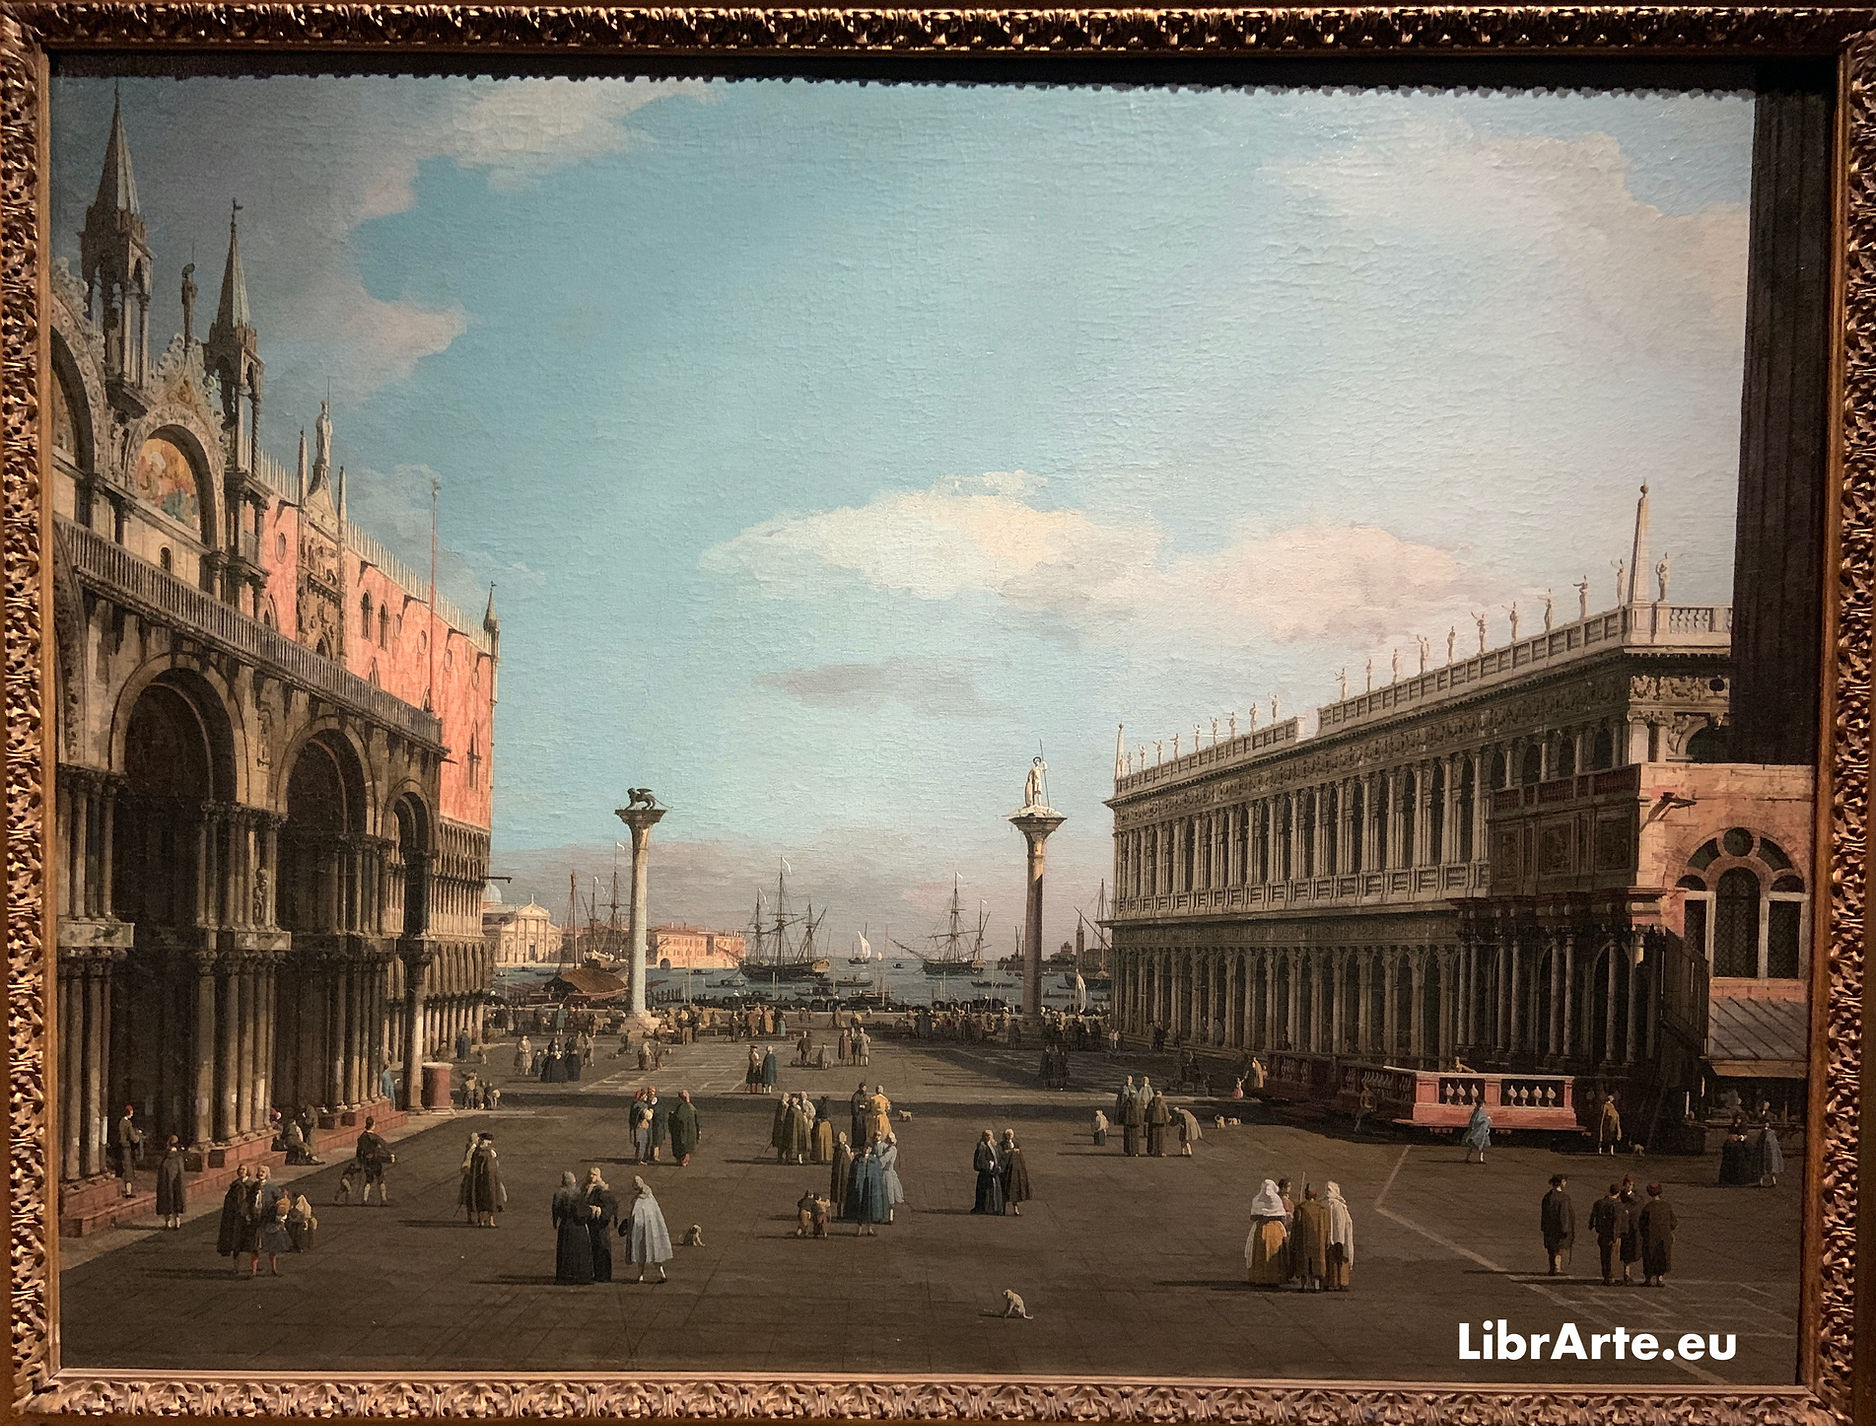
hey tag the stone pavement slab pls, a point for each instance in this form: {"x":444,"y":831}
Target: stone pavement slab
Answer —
{"x":1131,"y":1267}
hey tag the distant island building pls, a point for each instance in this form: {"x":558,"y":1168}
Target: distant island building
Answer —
{"x":520,"y":935}
{"x":1530,"y":877}
{"x":693,"y":948}
{"x":274,"y":744}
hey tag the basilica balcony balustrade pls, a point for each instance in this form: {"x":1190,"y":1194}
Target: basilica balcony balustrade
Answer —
{"x":119,"y":575}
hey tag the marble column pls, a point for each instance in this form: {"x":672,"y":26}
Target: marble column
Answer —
{"x":640,"y":820}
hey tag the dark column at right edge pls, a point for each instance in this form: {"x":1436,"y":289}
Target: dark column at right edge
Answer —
{"x":1778,"y":575}
{"x":1783,"y":435}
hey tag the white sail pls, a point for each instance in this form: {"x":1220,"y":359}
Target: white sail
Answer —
{"x":862,"y":948}
{"x":1081,"y":993}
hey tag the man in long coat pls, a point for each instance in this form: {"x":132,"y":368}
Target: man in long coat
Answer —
{"x":1655,"y":1226}
{"x":172,"y":1191}
{"x":1132,"y":1125}
{"x":842,"y":1172}
{"x":233,"y":1206}
{"x":660,"y":1122}
{"x":1309,"y":1241}
{"x":1608,"y":1220}
{"x":686,"y":1129}
{"x":487,"y":1194}
{"x":1158,"y":1116}
{"x":989,"y":1168}
{"x":604,"y":1210}
{"x":1557,"y":1219}
{"x":1631,"y":1230}
{"x":573,"y":1245}
{"x":857,"y":1108}
{"x":778,"y":1129}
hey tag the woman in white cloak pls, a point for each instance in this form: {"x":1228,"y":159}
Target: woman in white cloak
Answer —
{"x":647,"y":1238}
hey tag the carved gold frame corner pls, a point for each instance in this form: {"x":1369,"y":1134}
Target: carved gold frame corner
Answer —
{"x":31,"y":32}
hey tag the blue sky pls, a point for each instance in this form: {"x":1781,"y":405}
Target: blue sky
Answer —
{"x":834,"y":446}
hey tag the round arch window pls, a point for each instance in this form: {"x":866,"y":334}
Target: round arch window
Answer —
{"x":165,"y":477}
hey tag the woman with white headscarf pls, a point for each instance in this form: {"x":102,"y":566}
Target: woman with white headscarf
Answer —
{"x":647,"y":1238}
{"x":1265,"y":1261}
{"x":1341,"y":1238}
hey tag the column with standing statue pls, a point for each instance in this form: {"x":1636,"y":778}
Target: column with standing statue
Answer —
{"x":1035,"y":820}
{"x":641,"y":813}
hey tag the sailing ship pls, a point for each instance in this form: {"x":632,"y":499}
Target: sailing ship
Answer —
{"x":862,"y":951}
{"x":955,"y":950}
{"x":782,"y":942}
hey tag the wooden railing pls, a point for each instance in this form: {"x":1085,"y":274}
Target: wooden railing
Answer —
{"x":120,"y":575}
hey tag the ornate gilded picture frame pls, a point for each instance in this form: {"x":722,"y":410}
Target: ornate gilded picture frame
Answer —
{"x":1597,"y":888}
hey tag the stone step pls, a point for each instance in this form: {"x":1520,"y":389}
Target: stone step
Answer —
{"x":99,"y":1204}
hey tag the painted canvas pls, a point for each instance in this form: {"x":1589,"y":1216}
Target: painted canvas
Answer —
{"x":947,"y":729}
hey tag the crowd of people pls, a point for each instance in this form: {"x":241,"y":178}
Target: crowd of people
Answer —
{"x":1310,"y":1244}
{"x":587,"y":1217}
{"x":1630,"y":1230}
{"x":1002,"y":1174}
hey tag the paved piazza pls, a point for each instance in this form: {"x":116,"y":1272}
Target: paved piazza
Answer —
{"x":1131,"y":1267}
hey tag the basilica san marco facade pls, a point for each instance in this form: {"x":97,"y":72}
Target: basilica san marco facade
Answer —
{"x":272,"y":743}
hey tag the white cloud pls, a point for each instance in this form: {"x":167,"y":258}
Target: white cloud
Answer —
{"x":514,"y":130}
{"x":1113,"y":581}
{"x":1599,"y":265}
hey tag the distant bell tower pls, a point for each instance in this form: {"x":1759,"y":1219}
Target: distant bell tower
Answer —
{"x":114,"y":253}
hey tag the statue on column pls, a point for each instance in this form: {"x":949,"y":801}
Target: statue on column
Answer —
{"x":1341,"y":682}
{"x":1159,"y":751}
{"x":1033,"y":795}
{"x":1253,"y":717}
{"x":1479,"y":619}
{"x":1234,"y":723}
{"x":1621,"y":573}
{"x":1452,"y":638}
{"x":1550,"y":608}
{"x":1175,"y":747}
{"x":1273,"y":709}
{"x":1426,"y":648}
{"x":1582,"y":597}
{"x":259,"y":917}
{"x":1513,"y":612}
{"x":1395,"y":661}
{"x":1214,"y":732}
{"x":1369,"y":671}
{"x":1661,"y":578}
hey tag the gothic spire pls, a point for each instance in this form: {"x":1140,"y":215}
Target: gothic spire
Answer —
{"x":231,"y":313}
{"x":489,"y":621}
{"x":117,"y":185}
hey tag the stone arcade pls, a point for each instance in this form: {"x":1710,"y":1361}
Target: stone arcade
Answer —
{"x":272,"y":823}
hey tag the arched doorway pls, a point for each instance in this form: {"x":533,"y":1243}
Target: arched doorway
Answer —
{"x":326,"y":894}
{"x":169,"y":880}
